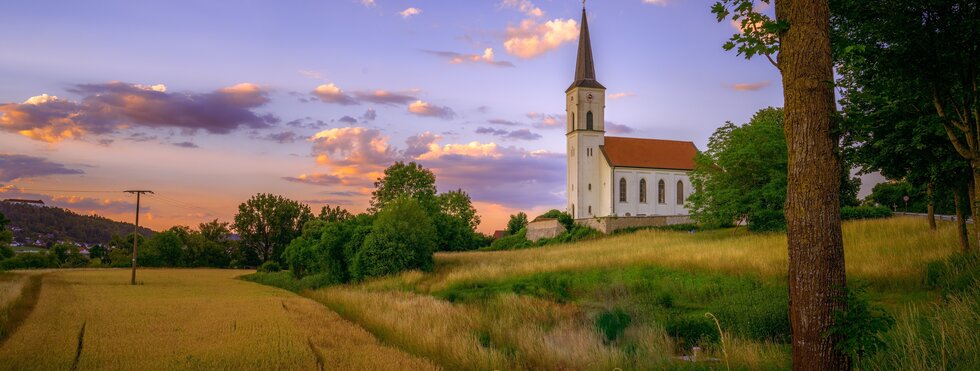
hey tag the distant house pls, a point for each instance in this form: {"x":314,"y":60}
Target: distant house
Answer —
{"x":499,"y":234}
{"x":19,"y":201}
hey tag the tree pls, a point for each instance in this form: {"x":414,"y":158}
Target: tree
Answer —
{"x":408,"y":180}
{"x":800,"y":35}
{"x":402,"y":238}
{"x":336,"y":214}
{"x":914,"y":66}
{"x":456,"y":221}
{"x":742,"y":174}
{"x":266,"y":224}
{"x":6,"y":236}
{"x":516,"y":223}
{"x":210,"y":246}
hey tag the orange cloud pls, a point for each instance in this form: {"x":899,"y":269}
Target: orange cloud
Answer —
{"x":408,"y":12}
{"x":420,"y":108}
{"x":531,"y":39}
{"x":749,"y":86}
{"x":523,"y":6}
{"x":622,"y":95}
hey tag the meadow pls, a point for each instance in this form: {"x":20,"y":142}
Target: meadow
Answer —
{"x":182,"y":319}
{"x":639,"y":301}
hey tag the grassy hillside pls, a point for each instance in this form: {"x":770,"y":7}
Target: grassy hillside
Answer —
{"x":639,"y":301}
{"x":53,"y":224}
{"x":185,"y":319}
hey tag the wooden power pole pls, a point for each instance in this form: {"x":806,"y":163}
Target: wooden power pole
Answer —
{"x":136,"y":233}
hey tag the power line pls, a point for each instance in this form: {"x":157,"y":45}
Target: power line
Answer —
{"x":61,"y":190}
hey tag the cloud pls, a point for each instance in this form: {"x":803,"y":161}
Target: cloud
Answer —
{"x":524,"y":6}
{"x":186,"y":145}
{"x":522,"y":134}
{"x":486,"y":58}
{"x":425,"y":109}
{"x":622,"y":95}
{"x":348,"y":120}
{"x":614,"y":128}
{"x":531,"y":39}
{"x":355,"y":157}
{"x":369,"y":115}
{"x":546,"y":121}
{"x":408,"y":12}
{"x":368,"y":3}
{"x":13,"y":167}
{"x":384,"y":97}
{"x":317,"y":75}
{"x":656,"y":2}
{"x":280,"y":137}
{"x":503,"y":122}
{"x":749,"y":86}
{"x":110,"y":107}
{"x":330,"y":93}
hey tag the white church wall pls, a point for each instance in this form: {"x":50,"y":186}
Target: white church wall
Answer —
{"x":633,"y":207}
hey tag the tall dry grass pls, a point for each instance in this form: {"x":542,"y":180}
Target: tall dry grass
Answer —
{"x":510,"y":331}
{"x":187,"y":319}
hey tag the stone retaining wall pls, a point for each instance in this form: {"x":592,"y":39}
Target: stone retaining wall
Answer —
{"x":609,"y":224}
{"x":543,"y":228}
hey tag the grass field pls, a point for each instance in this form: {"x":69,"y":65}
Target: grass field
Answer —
{"x":185,"y":319}
{"x":639,"y":301}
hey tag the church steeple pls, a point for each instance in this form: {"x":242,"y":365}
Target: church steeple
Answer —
{"x":584,"y":65}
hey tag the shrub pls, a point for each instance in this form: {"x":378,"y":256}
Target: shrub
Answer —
{"x":767,"y":221}
{"x":692,"y":329}
{"x":6,"y":252}
{"x":516,"y":223}
{"x":511,"y":242}
{"x":269,"y":267}
{"x":612,"y":324}
{"x":30,"y":261}
{"x":955,"y":274}
{"x":864,"y":212}
{"x":860,"y":326}
{"x":402,"y":238}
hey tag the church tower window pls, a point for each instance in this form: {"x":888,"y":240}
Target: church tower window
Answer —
{"x":622,"y":189}
{"x":680,"y":192}
{"x":661,"y":192}
{"x":643,"y":190}
{"x":588,"y":121}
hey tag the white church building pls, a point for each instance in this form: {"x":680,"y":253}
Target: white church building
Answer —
{"x":612,"y":178}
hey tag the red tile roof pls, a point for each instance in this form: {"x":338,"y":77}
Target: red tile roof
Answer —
{"x":650,"y":153}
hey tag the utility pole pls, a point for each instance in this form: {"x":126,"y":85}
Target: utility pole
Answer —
{"x":136,"y":233}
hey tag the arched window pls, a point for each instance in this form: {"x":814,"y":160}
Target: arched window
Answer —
{"x":588,"y":121}
{"x":622,"y":189}
{"x":680,"y":192}
{"x":643,"y":190}
{"x":661,"y":192}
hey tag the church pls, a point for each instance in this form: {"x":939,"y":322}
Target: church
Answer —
{"x":614,"y":177}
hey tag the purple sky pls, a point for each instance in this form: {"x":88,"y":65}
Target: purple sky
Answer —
{"x":210,"y":102}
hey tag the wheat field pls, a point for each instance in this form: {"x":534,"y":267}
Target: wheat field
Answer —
{"x":186,"y":319}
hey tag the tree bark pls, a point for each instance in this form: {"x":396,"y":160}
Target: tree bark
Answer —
{"x":816,"y":250}
{"x":972,"y":195}
{"x":961,"y":219}
{"x":931,"y":208}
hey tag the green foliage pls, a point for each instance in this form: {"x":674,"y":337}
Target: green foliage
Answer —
{"x":767,"y":221}
{"x":287,"y":281}
{"x":120,"y":258}
{"x":760,"y":33}
{"x":267,"y":223}
{"x":6,"y":252}
{"x":30,"y":261}
{"x":456,"y":222}
{"x":269,"y":267}
{"x":742,"y":172}
{"x":405,"y":180}
{"x":53,"y":224}
{"x":565,"y":219}
{"x":955,"y":274}
{"x":510,"y":242}
{"x":335,"y":214}
{"x":860,"y":326}
{"x":864,"y":212}
{"x":68,"y":256}
{"x":516,"y":223}
{"x":402,"y":238}
{"x":692,"y":329}
{"x":612,"y":324}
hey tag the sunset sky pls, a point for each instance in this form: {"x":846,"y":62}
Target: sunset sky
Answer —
{"x":209,"y":102}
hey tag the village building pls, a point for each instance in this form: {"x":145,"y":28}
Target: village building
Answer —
{"x":616,"y":182}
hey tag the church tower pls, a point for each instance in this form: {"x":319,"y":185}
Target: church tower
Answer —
{"x":585,"y":103}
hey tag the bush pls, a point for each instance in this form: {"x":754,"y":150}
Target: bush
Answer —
{"x":860,"y":326}
{"x":30,"y":261}
{"x":767,"y":221}
{"x":511,"y":242}
{"x":402,"y":238}
{"x":864,"y":212}
{"x":612,"y":324}
{"x":955,"y":274}
{"x":269,"y":267}
{"x":693,"y":329}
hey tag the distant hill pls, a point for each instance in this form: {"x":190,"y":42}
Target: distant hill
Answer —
{"x":52,"y":224}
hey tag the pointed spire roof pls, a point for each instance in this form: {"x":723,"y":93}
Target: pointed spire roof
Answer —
{"x":584,"y":65}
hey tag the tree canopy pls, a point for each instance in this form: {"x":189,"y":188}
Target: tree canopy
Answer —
{"x":266,"y":224}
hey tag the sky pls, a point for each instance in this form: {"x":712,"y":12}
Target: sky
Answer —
{"x":210,"y":102}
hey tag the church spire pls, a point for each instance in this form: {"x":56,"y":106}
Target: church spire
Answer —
{"x":584,"y":65}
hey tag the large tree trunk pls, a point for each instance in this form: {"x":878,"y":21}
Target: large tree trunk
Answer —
{"x":931,"y":208}
{"x":816,"y":250}
{"x":961,"y":218}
